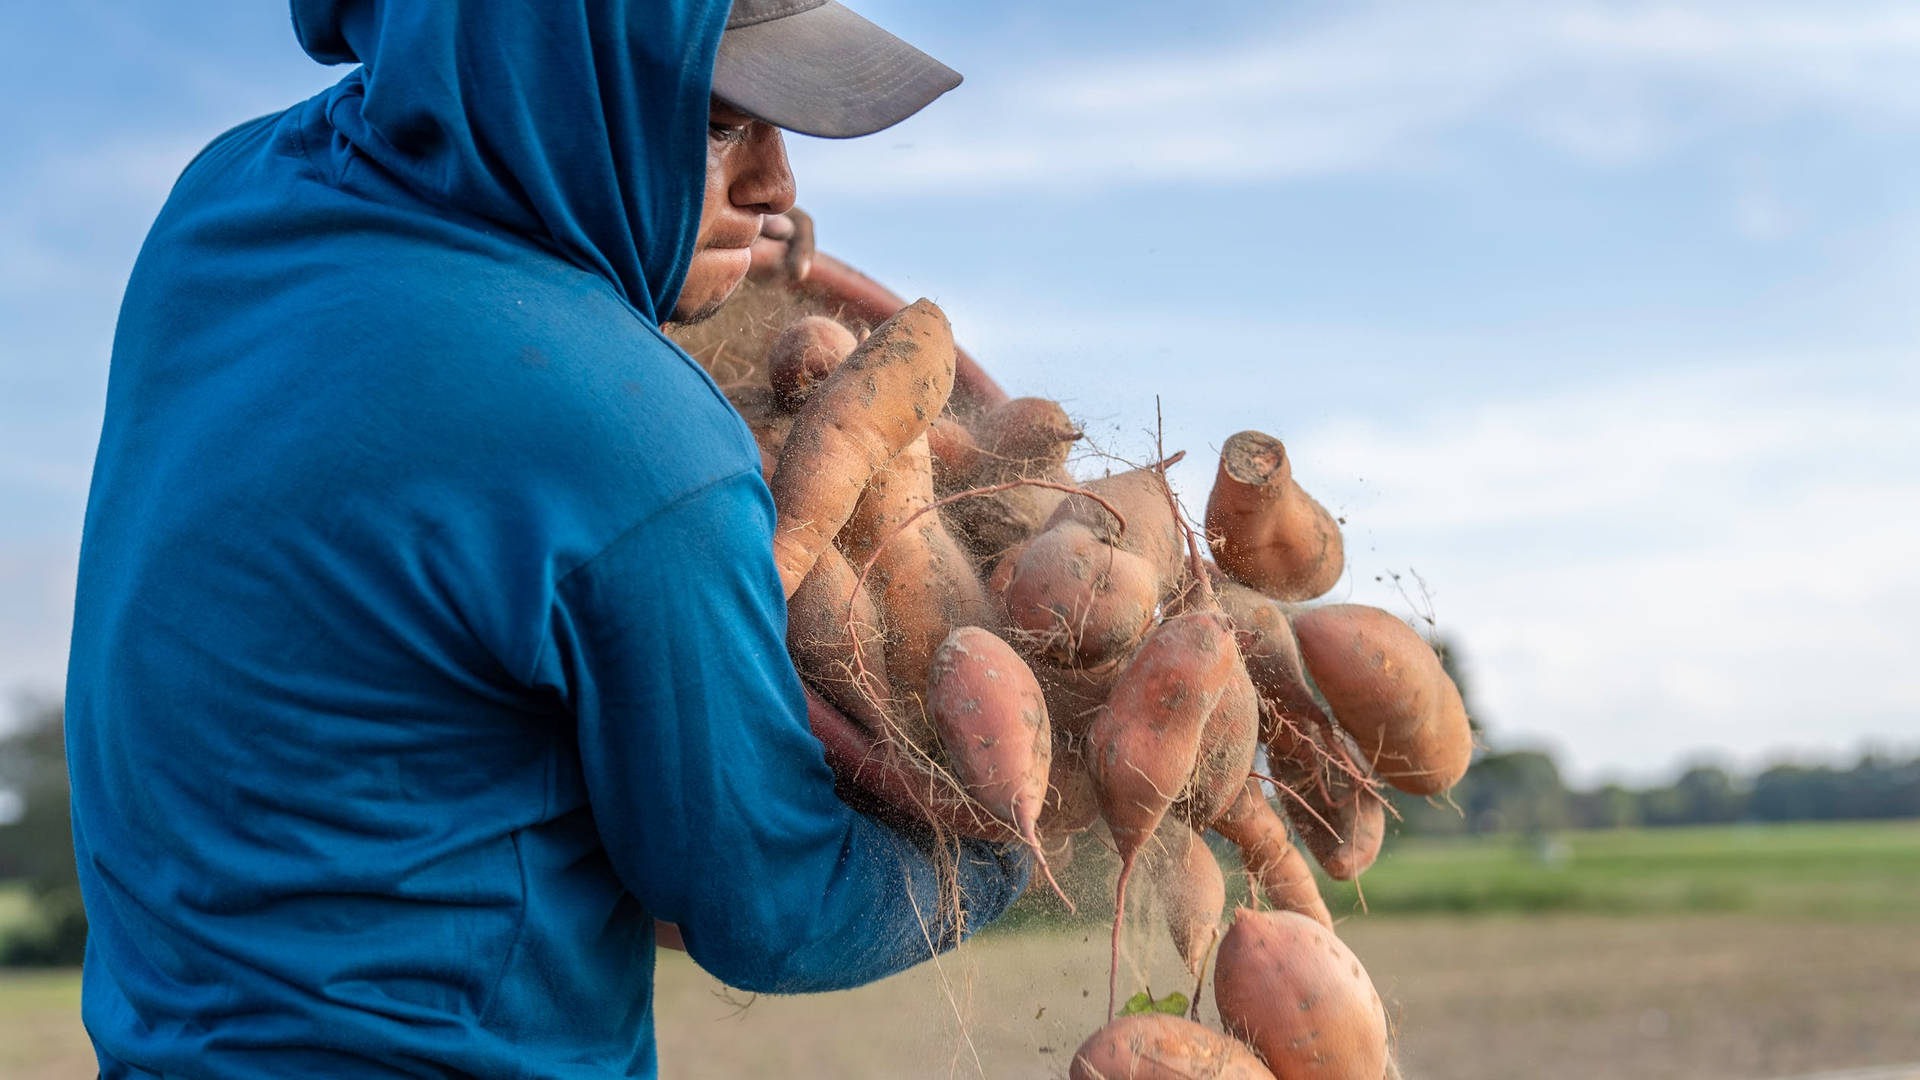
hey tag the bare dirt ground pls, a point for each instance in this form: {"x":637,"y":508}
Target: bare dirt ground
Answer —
{"x":1570,"y":998}
{"x":1567,"y":998}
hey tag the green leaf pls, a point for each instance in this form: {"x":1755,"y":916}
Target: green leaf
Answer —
{"x":1174,"y":1004}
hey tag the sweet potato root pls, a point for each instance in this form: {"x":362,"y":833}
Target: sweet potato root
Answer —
{"x":1076,"y":601}
{"x":922,"y":580}
{"x":1193,"y":893}
{"x":1154,"y":1046}
{"x":881,"y":399}
{"x":1294,"y":992}
{"x":1386,"y":687}
{"x":1265,"y":531}
{"x":821,"y":626}
{"x":1071,"y":806}
{"x":1227,"y":743}
{"x":1022,"y":439}
{"x":1143,"y":743}
{"x":1334,"y":811}
{"x":767,"y":421}
{"x":992,"y":721}
{"x":1279,"y":872}
{"x":1151,"y":531}
{"x":803,"y":354}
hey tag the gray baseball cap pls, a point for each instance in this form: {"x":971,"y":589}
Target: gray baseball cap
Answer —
{"x":815,"y":67}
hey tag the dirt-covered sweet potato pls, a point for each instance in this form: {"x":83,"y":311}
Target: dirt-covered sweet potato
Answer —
{"x":1143,"y":743}
{"x":1076,"y":601}
{"x":857,"y":419}
{"x":1267,"y":532}
{"x":1386,"y":687}
{"x":1279,"y":872}
{"x":1292,"y":990}
{"x":1155,"y":1046}
{"x":923,"y":582}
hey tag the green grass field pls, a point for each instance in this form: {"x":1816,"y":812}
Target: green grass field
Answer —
{"x":1822,"y":871}
{"x":1826,"y":872}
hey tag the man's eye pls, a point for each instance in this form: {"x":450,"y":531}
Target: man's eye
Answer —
{"x":726,"y":132}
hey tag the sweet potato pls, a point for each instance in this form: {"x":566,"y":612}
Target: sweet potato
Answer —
{"x":1386,"y":687}
{"x":1151,"y":531}
{"x":1267,"y":532}
{"x":1227,"y":743}
{"x":923,"y":581}
{"x":956,"y":456}
{"x":992,"y":722}
{"x":1193,"y":893}
{"x":803,"y":354}
{"x":1293,"y":991}
{"x":821,"y":624}
{"x":880,"y":773}
{"x":1279,"y":872}
{"x":1143,"y":743}
{"x":768,"y":422}
{"x":1340,"y":818}
{"x":1071,"y":806}
{"x":1022,"y":439}
{"x":881,"y":399}
{"x":1075,"y":695}
{"x":1154,"y":1046}
{"x":1078,"y":602}
{"x":1026,"y":435}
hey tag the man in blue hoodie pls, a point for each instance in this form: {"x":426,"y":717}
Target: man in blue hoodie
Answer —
{"x":428,"y":645}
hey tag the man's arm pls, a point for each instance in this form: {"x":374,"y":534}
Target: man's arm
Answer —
{"x":710,"y":792}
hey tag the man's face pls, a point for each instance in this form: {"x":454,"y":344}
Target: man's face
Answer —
{"x":747,"y":176}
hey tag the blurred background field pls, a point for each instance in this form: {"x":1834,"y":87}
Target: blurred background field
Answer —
{"x":1731,"y":952}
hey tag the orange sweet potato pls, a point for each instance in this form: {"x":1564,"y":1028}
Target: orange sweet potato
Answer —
{"x":1294,"y":992}
{"x":821,"y":625}
{"x":1071,"y":806}
{"x":1151,"y":531}
{"x":1265,"y":531}
{"x":1341,"y":819}
{"x":1278,"y":870}
{"x":1227,"y":743}
{"x":803,"y":354}
{"x":923,"y":581}
{"x":1193,"y":893}
{"x":1076,"y":601}
{"x":991,"y":719}
{"x":1154,"y":1046}
{"x":881,"y":399}
{"x":1022,"y":439}
{"x":1143,"y":743}
{"x":1386,"y":687}
{"x":767,"y":421}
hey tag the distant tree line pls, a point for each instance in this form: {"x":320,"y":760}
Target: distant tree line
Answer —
{"x":36,"y":845}
{"x":1522,"y":791}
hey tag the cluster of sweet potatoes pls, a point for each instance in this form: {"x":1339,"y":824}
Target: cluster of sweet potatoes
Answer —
{"x":1011,"y":652}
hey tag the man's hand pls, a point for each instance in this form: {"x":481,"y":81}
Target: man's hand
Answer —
{"x":785,"y":246}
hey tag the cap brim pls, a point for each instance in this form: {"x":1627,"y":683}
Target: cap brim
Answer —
{"x":827,"y":72}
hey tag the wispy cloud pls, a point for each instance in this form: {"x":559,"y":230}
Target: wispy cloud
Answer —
{"x":1384,"y":84}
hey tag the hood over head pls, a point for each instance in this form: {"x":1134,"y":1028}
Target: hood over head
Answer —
{"x":580,"y":125}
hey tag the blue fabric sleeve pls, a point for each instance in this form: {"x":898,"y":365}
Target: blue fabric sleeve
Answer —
{"x":709,"y":790}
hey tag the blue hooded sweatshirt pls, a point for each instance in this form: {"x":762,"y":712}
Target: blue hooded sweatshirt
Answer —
{"x":428,"y":642}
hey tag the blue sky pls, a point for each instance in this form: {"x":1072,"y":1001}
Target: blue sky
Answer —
{"x":1598,"y":317}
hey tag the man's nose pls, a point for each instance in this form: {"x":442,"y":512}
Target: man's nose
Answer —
{"x":766,"y":185}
